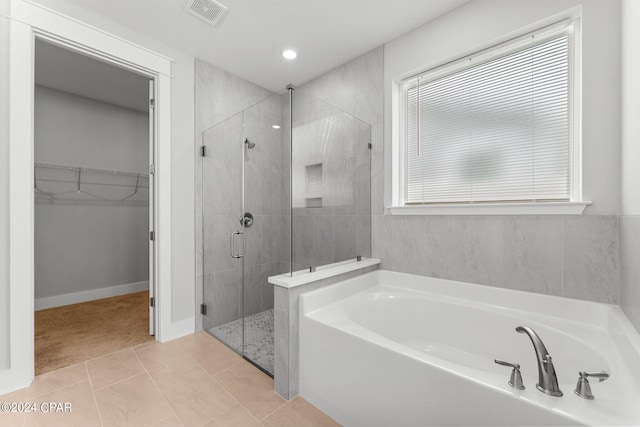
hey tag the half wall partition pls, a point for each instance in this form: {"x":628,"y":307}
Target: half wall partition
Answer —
{"x":285,"y":189}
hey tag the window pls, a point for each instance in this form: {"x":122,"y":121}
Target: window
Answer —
{"x":496,"y":127}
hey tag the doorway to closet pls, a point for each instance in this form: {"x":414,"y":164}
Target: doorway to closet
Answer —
{"x":93,"y":191}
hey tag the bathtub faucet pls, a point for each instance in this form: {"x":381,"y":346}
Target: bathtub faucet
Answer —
{"x":547,"y":379}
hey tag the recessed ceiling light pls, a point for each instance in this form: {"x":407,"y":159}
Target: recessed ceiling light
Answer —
{"x":276,"y":126}
{"x":289,"y":54}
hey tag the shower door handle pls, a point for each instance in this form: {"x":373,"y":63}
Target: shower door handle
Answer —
{"x":232,"y":244}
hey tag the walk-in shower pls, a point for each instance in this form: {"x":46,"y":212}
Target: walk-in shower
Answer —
{"x":285,"y":188}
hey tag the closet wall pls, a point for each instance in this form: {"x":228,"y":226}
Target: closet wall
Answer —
{"x":97,"y":247}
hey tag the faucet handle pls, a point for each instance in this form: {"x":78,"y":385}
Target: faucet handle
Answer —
{"x":504,"y":363}
{"x":583,"y":389}
{"x":600,"y":375}
{"x":515,"y":380}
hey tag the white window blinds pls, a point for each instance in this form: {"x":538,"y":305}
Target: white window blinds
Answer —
{"x":495,"y":128}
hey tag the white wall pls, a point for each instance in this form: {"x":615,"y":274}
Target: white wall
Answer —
{"x":4,"y":185}
{"x":630,"y":107}
{"x":483,"y":23}
{"x":73,"y":130}
{"x":87,"y":246}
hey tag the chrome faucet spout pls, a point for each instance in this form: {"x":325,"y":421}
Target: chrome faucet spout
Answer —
{"x":547,"y":379}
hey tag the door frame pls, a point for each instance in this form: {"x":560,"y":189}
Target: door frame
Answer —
{"x":28,"y":21}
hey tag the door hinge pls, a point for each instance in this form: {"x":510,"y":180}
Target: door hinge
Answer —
{"x":152,"y":169}
{"x":369,"y":145}
{"x":203,"y":151}
{"x":203,"y":309}
{"x":152,"y":103}
{"x":152,"y":235}
{"x":152,"y":302}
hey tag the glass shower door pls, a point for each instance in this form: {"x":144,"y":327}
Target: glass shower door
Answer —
{"x":224,"y":242}
{"x":243,"y":220}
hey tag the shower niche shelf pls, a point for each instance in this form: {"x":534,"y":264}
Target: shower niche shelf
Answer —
{"x":313,"y":185}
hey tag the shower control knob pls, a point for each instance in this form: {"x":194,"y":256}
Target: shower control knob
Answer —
{"x":246,"y":220}
{"x":515,"y":380}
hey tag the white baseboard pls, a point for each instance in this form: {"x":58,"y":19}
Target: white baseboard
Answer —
{"x":84,"y":296}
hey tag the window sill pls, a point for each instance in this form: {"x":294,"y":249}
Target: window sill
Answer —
{"x":543,"y":208}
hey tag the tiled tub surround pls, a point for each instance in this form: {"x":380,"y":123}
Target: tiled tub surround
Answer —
{"x":571,"y":256}
{"x":426,"y":348}
{"x":287,"y":319}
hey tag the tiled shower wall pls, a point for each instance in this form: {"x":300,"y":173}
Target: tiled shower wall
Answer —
{"x":220,"y":96}
{"x":356,"y":88}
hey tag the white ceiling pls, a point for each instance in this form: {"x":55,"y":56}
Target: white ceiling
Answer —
{"x":326,"y":33}
{"x":74,"y":73}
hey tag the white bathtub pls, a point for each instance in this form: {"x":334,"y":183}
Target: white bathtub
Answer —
{"x":393,"y":349}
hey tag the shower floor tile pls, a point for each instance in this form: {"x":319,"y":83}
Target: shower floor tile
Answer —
{"x":258,"y":334}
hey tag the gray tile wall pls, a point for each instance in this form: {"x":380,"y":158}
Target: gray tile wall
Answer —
{"x":630,"y":267}
{"x":571,"y":256}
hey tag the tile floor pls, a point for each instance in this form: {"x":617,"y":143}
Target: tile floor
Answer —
{"x":192,"y":381}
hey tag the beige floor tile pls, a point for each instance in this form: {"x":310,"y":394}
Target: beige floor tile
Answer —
{"x":15,"y":396}
{"x":299,"y":413}
{"x":237,"y":416}
{"x":134,"y":402}
{"x":210,"y":353}
{"x":144,"y":345}
{"x":195,"y":396}
{"x":166,"y":359}
{"x":11,"y":419}
{"x":202,"y":334}
{"x":112,"y":368}
{"x":84,"y":412}
{"x":251,"y":388}
{"x":52,"y":381}
{"x":172,"y":421}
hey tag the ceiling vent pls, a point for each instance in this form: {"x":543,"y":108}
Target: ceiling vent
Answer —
{"x":211,"y":12}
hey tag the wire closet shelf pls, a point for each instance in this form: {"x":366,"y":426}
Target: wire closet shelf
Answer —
{"x":80,"y":185}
